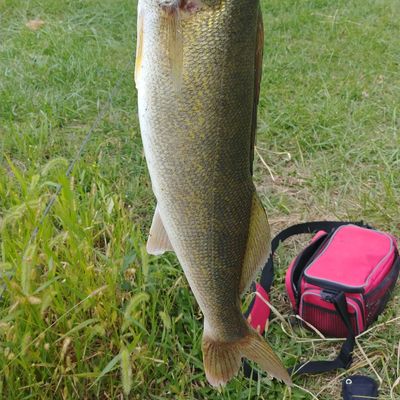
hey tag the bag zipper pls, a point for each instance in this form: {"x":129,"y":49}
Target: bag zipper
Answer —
{"x":335,"y":286}
{"x":328,"y":295}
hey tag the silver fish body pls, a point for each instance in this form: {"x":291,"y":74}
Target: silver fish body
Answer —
{"x":197,"y":76}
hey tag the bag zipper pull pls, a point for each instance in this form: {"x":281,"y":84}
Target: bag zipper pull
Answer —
{"x":329,"y":295}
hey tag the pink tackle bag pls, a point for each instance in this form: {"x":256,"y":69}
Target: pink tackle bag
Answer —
{"x":339,"y":284}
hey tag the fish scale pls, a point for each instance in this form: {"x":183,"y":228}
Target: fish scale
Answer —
{"x":195,"y":76}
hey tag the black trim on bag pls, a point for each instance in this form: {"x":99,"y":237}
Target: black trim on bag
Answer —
{"x":363,"y":311}
{"x":388,"y":278}
{"x":345,"y":288}
{"x":361,"y":290}
{"x":333,"y":286}
{"x":389,"y":281}
{"x":301,"y":263}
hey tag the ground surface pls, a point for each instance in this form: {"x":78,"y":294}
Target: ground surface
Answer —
{"x":85,"y":313}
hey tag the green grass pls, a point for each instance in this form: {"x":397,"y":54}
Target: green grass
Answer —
{"x":85,"y":313}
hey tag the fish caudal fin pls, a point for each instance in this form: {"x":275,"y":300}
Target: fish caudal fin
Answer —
{"x":258,"y":244}
{"x":158,"y":242}
{"x":259,"y":351}
{"x":222,"y":360}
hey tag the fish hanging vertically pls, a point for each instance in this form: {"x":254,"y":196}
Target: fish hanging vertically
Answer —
{"x":198,"y":71}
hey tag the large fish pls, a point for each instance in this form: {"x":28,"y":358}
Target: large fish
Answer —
{"x":198,"y":70}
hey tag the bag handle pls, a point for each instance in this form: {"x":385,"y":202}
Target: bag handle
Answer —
{"x":344,"y":359}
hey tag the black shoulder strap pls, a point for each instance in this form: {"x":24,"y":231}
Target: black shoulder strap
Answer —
{"x":267,"y":275}
{"x":344,"y":359}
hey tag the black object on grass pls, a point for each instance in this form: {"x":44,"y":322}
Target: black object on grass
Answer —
{"x":359,"y":387}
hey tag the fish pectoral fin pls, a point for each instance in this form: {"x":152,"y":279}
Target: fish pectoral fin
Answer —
{"x":258,"y":244}
{"x":158,"y":242}
{"x":139,"y":47}
{"x":222,"y":360}
{"x":172,"y":34}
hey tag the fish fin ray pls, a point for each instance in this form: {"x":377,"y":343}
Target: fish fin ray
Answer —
{"x":222,"y":360}
{"x":173,"y":30}
{"x":258,"y":244}
{"x":158,"y":242}
{"x":258,"y":350}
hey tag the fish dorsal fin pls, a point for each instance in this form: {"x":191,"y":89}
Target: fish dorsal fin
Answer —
{"x":158,"y":242}
{"x":258,"y":244}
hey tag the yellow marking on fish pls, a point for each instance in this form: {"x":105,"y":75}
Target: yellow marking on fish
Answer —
{"x":172,"y":24}
{"x":139,"y":49}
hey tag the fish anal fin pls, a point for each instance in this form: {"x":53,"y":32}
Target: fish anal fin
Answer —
{"x":258,"y":244}
{"x":158,"y":242}
{"x":222,"y":360}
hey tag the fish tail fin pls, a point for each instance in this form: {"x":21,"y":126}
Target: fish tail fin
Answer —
{"x":258,"y":350}
{"x":222,"y":360}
